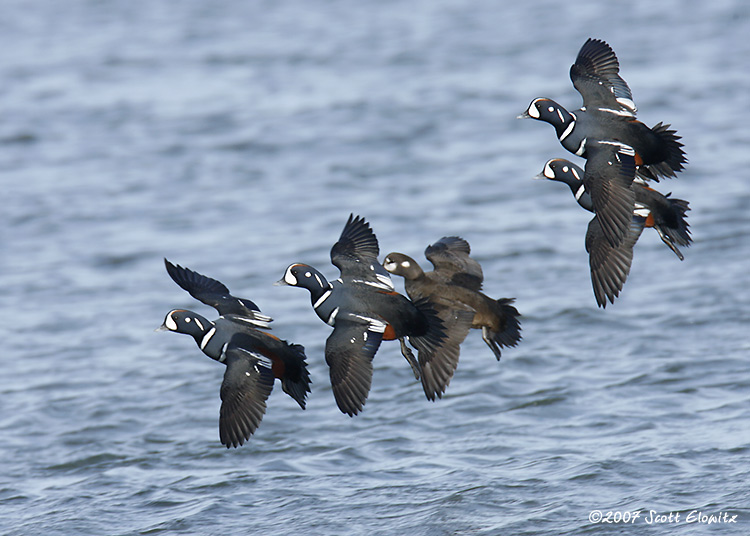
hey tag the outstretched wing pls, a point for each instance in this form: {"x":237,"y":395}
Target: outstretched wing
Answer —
{"x":450,"y":257}
{"x":355,"y":254}
{"x":610,"y":265}
{"x":595,"y":75}
{"x":608,"y":177}
{"x":349,"y":353}
{"x":247,"y":384}
{"x":437,"y":367}
{"x":215,"y":294}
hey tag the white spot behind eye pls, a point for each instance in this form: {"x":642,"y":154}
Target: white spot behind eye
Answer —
{"x":308,"y":274}
{"x":406,"y":264}
{"x":551,"y":109}
{"x":187,"y":319}
{"x":565,"y":169}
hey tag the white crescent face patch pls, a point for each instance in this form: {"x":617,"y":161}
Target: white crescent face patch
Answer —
{"x":289,"y":278}
{"x":532,"y":111}
{"x":170,"y":323}
{"x":548,"y":171}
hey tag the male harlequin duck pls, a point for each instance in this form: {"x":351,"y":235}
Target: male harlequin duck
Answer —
{"x":364,"y":309}
{"x":457,"y":280}
{"x":667,"y":215}
{"x":608,"y":113}
{"x":609,"y":263}
{"x":607,"y":185}
{"x":253,"y":357}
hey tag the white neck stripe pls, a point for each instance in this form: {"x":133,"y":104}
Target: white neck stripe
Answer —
{"x":223,"y":356}
{"x":323,"y":298}
{"x":207,"y":337}
{"x":581,"y":148}
{"x":580,"y":192}
{"x":332,"y":317}
{"x":568,"y":130}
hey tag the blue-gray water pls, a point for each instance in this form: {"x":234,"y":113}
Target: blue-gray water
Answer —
{"x":236,"y":137}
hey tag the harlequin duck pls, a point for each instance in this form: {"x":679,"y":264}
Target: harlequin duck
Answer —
{"x":667,"y":215}
{"x":608,"y":113}
{"x":253,"y":357}
{"x":457,"y":280}
{"x":606,"y":187}
{"x":609,"y":265}
{"x":364,"y":309}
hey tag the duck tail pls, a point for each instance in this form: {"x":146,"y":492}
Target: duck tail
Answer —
{"x":677,"y":226}
{"x":295,"y":380}
{"x":510,"y":333}
{"x":673,"y":159}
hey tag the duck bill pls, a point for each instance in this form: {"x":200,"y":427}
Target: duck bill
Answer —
{"x":540,"y":176}
{"x":162,"y":328}
{"x":524,"y":115}
{"x":281,"y":283}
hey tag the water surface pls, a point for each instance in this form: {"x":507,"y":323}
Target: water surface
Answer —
{"x":236,"y":138}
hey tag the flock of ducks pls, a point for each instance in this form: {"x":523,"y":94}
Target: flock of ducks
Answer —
{"x":622,"y":155}
{"x":443,"y":305}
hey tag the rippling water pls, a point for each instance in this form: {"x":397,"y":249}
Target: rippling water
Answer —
{"x":235,"y":138}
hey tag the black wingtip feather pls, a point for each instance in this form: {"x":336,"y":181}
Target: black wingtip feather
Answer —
{"x":356,"y":239}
